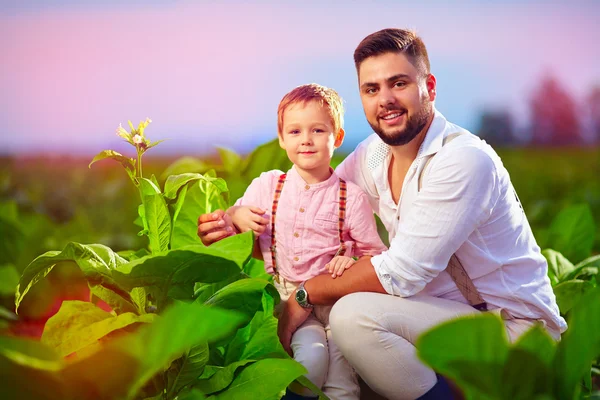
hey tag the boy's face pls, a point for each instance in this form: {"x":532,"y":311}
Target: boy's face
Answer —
{"x":308,"y":135}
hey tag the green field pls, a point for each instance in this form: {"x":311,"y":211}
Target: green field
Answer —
{"x":115,"y":289}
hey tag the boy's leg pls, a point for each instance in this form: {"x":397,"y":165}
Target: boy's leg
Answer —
{"x":376,"y":333}
{"x":342,"y":381}
{"x":309,"y":345}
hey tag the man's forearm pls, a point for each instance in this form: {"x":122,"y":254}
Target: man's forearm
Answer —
{"x":361,"y":277}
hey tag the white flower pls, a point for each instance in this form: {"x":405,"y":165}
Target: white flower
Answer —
{"x":122,"y":132}
{"x":137,"y":139}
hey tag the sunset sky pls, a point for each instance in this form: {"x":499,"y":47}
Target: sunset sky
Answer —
{"x":209,"y":74}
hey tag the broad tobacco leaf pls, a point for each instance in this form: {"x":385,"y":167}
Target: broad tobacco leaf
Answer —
{"x":96,"y":261}
{"x":78,"y":324}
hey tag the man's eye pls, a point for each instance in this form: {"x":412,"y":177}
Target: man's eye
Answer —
{"x":400,"y":84}
{"x":370,"y":91}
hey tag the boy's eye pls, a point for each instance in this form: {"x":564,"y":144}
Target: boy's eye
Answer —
{"x":294,"y":132}
{"x":319,"y":130}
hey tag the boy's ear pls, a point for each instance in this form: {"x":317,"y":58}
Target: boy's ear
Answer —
{"x":281,"y":144}
{"x":339,"y":138}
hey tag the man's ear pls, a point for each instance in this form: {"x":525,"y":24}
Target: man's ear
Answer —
{"x":339,"y":138}
{"x":431,"y":85}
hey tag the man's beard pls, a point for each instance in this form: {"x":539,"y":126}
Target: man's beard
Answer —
{"x":414,"y":124}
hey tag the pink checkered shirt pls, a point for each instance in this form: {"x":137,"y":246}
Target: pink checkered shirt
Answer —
{"x":306,"y":226}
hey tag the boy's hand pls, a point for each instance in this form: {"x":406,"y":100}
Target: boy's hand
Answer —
{"x":214,"y":227}
{"x":248,"y":218}
{"x":338,"y":265}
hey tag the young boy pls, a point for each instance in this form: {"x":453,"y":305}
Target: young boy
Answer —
{"x":315,"y":222}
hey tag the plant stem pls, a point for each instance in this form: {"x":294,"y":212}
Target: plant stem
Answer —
{"x":139,"y":163}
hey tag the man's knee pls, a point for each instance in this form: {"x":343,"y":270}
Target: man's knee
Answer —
{"x":344,"y":317}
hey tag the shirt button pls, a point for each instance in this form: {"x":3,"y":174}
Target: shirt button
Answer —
{"x":296,"y":258}
{"x":301,"y":209}
{"x":296,"y":234}
{"x":306,"y":187}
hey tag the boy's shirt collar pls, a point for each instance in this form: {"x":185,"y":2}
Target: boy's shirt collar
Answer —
{"x":294,"y":178}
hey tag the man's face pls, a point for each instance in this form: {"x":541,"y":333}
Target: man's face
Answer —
{"x":397,"y":99}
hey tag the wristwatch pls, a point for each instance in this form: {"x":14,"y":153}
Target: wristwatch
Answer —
{"x":302,"y":296}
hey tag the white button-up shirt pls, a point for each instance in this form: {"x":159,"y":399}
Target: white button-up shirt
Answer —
{"x":466,"y":205}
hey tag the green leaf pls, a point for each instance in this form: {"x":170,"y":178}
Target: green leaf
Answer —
{"x":183,"y":266}
{"x":471,"y":350}
{"x":221,"y":377}
{"x":572,"y":232}
{"x":78,"y":324}
{"x":97,"y":262}
{"x":175,"y":182}
{"x":256,"y":269}
{"x":537,"y":341}
{"x":244,"y":295}
{"x":126,"y":162}
{"x":568,"y":293}
{"x":188,"y":368}
{"x":586,"y":268}
{"x":238,"y":247}
{"x":190,"y":395}
{"x":525,"y":376}
{"x":264,"y":158}
{"x":304,"y":381}
{"x":13,"y":241}
{"x":119,"y":301}
{"x":127,"y":363}
{"x":264,"y":342}
{"x":9,"y":279}
{"x":202,"y":197}
{"x":9,"y":211}
{"x":263,"y":379}
{"x":183,"y":165}
{"x":30,"y":370}
{"x":157,"y":216}
{"x":139,"y":297}
{"x":579,"y":345}
{"x":230,"y":159}
{"x":558,"y":265}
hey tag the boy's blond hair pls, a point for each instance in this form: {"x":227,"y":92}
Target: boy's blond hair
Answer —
{"x":313,"y":92}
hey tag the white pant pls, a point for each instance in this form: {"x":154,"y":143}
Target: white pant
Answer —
{"x":376,"y":333}
{"x":314,"y":348}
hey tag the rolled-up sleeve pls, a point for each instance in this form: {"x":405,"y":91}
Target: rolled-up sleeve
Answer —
{"x":458,"y":194}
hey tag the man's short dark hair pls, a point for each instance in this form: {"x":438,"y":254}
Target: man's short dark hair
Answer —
{"x":394,"y":41}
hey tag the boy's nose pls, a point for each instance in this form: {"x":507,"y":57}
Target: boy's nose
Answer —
{"x":306,"y":138}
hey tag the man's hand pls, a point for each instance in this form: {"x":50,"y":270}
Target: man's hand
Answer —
{"x":214,"y":227}
{"x":248,"y":218}
{"x":292,"y":316}
{"x":338,"y":265}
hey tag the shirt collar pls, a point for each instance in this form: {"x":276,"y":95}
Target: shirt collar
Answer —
{"x":434,"y":138}
{"x":295,"y":179}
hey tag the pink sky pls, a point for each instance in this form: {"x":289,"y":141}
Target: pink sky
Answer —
{"x":213,"y":75}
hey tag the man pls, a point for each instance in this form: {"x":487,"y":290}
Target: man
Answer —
{"x":459,"y":239}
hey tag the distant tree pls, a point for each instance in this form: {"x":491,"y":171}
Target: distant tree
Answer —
{"x":497,"y":128}
{"x":554,"y":119}
{"x":593,"y":102}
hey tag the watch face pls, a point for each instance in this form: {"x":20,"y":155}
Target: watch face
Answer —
{"x":300,"y":296}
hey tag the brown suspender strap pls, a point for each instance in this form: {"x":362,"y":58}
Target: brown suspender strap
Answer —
{"x":276,"y":196}
{"x":342,"y":215}
{"x":341,"y":219}
{"x":455,"y":268}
